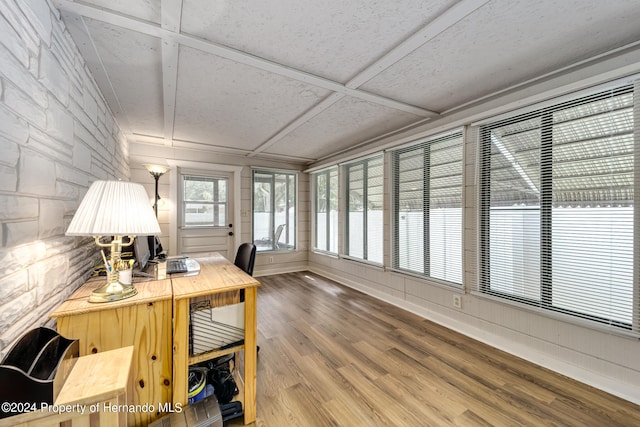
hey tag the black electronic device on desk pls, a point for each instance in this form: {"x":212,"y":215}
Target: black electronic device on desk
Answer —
{"x":184,"y":266}
{"x":142,"y":251}
{"x":176,"y":265}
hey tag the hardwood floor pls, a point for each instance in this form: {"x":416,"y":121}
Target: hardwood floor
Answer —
{"x":332,"y":356}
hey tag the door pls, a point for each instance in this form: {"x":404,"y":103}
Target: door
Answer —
{"x":205,"y":213}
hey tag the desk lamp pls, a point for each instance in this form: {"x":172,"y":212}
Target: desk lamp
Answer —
{"x":118,"y":209}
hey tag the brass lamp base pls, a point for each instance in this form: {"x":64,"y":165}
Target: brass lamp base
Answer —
{"x":114,"y":291}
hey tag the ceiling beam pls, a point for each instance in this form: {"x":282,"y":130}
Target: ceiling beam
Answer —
{"x":451,"y":16}
{"x":301,"y":76}
{"x":191,"y":145}
{"x":100,"y":74}
{"x":171,"y":39}
{"x":169,"y":85}
{"x":152,"y":29}
{"x":170,"y":17}
{"x":441,"y":23}
{"x":299,"y":121}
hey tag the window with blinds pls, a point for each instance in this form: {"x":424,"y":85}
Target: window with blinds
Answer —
{"x":325,"y":185}
{"x":556,"y":208}
{"x":427,"y":208}
{"x":364,"y":222}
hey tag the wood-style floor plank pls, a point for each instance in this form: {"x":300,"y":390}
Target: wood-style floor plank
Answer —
{"x":332,"y":356}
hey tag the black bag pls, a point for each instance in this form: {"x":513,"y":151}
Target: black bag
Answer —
{"x":221,"y":377}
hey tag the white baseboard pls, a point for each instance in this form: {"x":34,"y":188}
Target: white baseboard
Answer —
{"x":278,"y":270}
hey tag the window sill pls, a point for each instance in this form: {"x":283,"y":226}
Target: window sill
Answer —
{"x":368,"y":263}
{"x":429,"y":280}
{"x":324,"y":253}
{"x":599,"y":327}
{"x":277,"y":251}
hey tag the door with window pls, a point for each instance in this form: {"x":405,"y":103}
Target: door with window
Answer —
{"x":206,"y":214}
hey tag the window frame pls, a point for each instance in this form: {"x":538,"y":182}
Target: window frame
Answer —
{"x":546,"y":146}
{"x":426,"y":165}
{"x":289,"y":246}
{"x":346,"y":168}
{"x":329,"y":226}
{"x":215,"y":180}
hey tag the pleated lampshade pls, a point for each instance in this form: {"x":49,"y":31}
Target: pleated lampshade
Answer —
{"x":114,"y":208}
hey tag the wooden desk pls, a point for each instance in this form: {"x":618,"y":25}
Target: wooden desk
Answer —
{"x":85,"y":393}
{"x":142,"y":321}
{"x":161,"y":352}
{"x":217,"y":276}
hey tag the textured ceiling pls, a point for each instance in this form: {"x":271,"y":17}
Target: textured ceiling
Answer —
{"x":301,"y":80}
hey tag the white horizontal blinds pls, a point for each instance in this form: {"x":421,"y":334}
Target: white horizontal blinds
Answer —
{"x":592,"y":211}
{"x":326,"y":210}
{"x":409,"y":209}
{"x":375,"y":209}
{"x":356,"y":198}
{"x":445,"y":208}
{"x":204,"y":201}
{"x":427,"y":180}
{"x":364,"y":188}
{"x":557,"y":208}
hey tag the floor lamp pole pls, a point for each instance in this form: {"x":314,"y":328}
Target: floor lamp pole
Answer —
{"x":156,"y":171}
{"x":155,"y":205}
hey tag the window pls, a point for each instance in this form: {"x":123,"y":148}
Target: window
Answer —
{"x":556,"y":208}
{"x":427,"y":208}
{"x":274,"y":210}
{"x":325,"y":184}
{"x":364,"y":225}
{"x":204,"y":201}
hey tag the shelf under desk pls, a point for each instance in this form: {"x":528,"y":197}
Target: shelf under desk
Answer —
{"x":217,"y":276}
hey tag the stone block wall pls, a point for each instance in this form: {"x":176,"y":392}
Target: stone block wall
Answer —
{"x":57,"y":135}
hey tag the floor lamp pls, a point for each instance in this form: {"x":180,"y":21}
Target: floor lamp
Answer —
{"x":156,"y":171}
